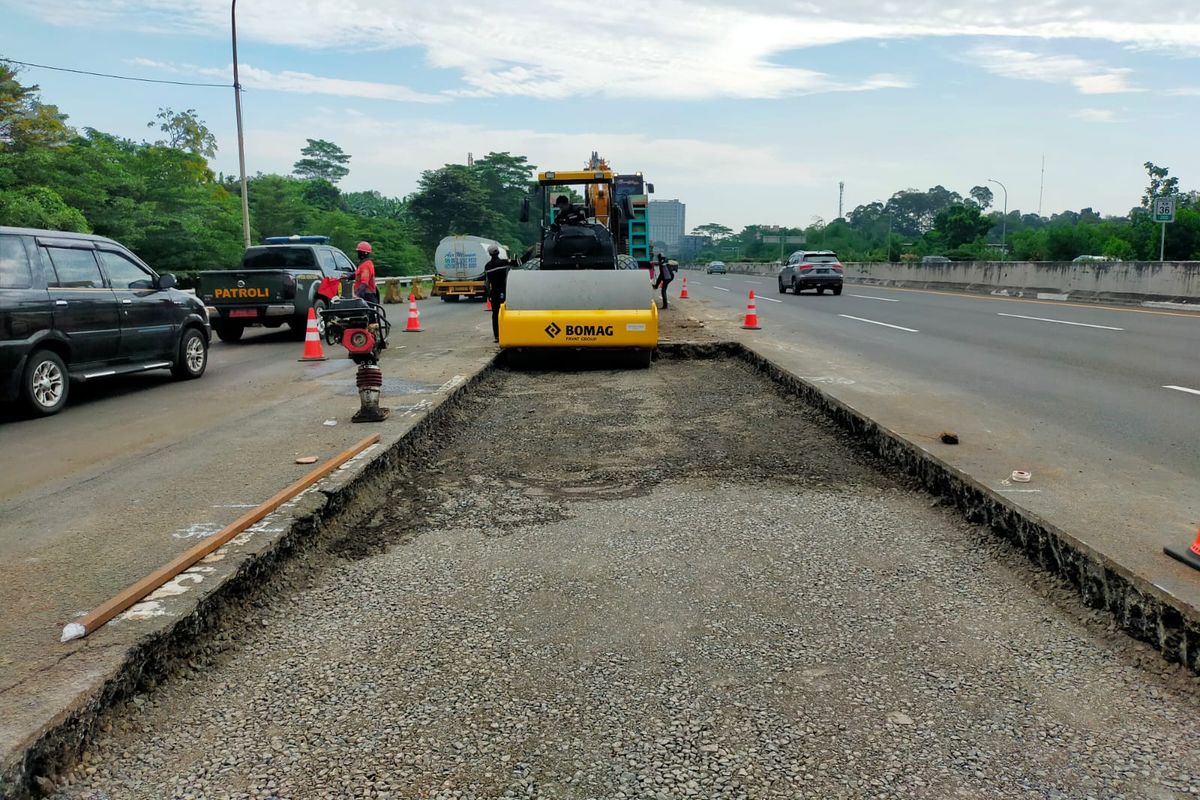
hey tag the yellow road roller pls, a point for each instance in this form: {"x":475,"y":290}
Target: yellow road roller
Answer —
{"x":578,"y":291}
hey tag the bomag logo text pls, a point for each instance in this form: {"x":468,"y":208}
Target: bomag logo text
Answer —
{"x":257,"y":293}
{"x":589,"y":330}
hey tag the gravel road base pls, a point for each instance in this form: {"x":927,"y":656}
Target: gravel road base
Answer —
{"x":660,"y":584}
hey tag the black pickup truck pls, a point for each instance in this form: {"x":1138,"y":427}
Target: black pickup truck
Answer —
{"x":278,"y":283}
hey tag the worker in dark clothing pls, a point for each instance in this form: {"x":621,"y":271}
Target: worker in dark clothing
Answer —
{"x":568,"y":214}
{"x":665,"y":276}
{"x":496,"y":281}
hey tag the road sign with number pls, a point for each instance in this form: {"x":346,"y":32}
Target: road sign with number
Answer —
{"x":1163,"y":209}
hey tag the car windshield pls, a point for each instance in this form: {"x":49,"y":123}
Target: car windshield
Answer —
{"x":278,"y":257}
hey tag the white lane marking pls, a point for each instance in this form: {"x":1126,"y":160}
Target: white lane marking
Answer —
{"x":869,"y":297}
{"x":722,"y":288}
{"x":1061,"y":322}
{"x":1182,"y":389}
{"x":768,"y":299}
{"x":753,"y":281}
{"x":884,"y":324}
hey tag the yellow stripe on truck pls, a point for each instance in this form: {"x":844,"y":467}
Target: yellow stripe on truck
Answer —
{"x":579,"y":327}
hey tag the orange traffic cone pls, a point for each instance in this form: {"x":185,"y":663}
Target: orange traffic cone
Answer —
{"x":414,"y":316}
{"x":751,"y":323}
{"x":488,"y":307}
{"x":1190,"y":556}
{"x":312,"y":340}
{"x":683,"y":295}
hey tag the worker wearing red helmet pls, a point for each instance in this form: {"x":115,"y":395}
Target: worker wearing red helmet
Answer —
{"x":364,"y":276}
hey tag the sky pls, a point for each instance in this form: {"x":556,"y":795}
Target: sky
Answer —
{"x":749,"y":113}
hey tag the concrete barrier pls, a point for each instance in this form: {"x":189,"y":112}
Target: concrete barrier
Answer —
{"x":1170,"y":284}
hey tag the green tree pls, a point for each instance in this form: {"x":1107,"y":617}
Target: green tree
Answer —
{"x":982,"y":196}
{"x":373,"y":204}
{"x":40,"y":207}
{"x":962,"y":224}
{"x":450,"y":200}
{"x":1160,"y":184}
{"x":322,"y":194}
{"x":713,"y":230}
{"x":25,"y":121}
{"x":322,"y":159}
{"x":1119,"y":248}
{"x":277,"y":206}
{"x":185,"y":131}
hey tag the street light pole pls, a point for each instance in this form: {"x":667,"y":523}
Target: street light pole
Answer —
{"x":1004,"y":222}
{"x":237,"y":104}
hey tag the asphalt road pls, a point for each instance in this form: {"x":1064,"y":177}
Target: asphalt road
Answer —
{"x":1129,"y":378}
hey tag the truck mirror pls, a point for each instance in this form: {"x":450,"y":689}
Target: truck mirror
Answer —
{"x":166,"y":281}
{"x":525,"y":209}
{"x":649,"y":188}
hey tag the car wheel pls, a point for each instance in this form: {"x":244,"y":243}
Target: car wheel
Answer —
{"x":45,"y":385}
{"x":782,"y":288}
{"x":820,"y":290}
{"x":318,"y":305}
{"x":192,"y":359}
{"x":229,"y":331}
{"x":837,"y":290}
{"x":795,"y":287}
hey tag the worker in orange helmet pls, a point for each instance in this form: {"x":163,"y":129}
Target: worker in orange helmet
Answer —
{"x":364,"y":276}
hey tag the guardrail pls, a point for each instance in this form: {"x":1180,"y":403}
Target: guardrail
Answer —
{"x":1169,"y":284}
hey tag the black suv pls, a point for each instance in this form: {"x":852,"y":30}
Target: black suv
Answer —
{"x":74,"y":307}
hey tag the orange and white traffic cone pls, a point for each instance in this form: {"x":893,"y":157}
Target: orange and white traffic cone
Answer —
{"x":414,"y":316}
{"x":1190,"y":556}
{"x":683,"y":295}
{"x":312,"y":340}
{"x":751,"y":322}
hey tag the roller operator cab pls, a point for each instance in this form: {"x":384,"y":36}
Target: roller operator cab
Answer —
{"x":579,"y":291}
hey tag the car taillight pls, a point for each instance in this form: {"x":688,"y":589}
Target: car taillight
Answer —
{"x":289,"y":286}
{"x":838,"y":267}
{"x":805,"y":267}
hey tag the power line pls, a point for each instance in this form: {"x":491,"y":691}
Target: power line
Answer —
{"x":117,"y":77}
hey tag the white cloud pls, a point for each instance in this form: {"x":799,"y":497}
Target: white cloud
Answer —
{"x":1183,"y":91}
{"x":1102,"y":115}
{"x":1086,"y":76}
{"x":253,"y":77}
{"x":684,"y":49}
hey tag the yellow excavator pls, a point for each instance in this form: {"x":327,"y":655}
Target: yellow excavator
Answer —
{"x":580,"y":290}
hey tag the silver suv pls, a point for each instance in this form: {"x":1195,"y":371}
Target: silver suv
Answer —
{"x":811,"y":269}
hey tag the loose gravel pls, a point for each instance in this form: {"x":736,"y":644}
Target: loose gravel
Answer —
{"x":660,"y":584}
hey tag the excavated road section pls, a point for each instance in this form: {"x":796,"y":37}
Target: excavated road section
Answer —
{"x":670,"y":583}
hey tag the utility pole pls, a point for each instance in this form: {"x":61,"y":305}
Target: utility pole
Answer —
{"x":1042,"y":185}
{"x":1004,"y":223}
{"x":841,"y":195}
{"x":237,"y":104}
